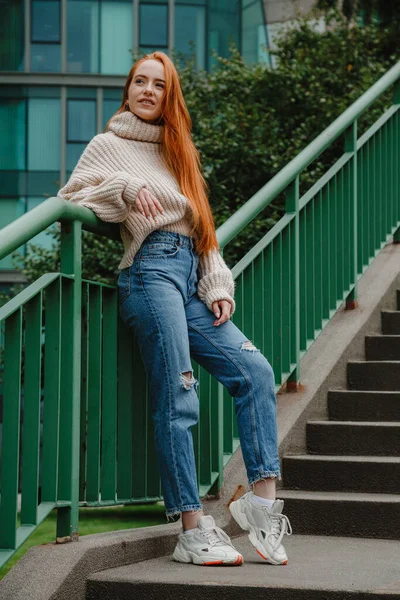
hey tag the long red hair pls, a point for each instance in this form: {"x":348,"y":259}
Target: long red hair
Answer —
{"x":180,"y":154}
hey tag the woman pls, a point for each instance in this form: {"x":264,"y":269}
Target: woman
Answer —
{"x":144,"y":173}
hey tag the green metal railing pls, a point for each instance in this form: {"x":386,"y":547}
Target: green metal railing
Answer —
{"x":68,"y":356}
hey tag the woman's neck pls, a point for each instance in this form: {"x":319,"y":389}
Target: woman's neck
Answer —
{"x":128,"y":125}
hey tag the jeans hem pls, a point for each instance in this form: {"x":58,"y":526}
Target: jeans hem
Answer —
{"x":194,"y":508}
{"x":264,"y":475}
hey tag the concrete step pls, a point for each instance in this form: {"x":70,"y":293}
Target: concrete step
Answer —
{"x":353,"y":437}
{"x":342,"y":473}
{"x":390,"y":320}
{"x":319,"y":568}
{"x":342,"y":513}
{"x":350,"y":405}
{"x":373,"y":375}
{"x":382,"y":347}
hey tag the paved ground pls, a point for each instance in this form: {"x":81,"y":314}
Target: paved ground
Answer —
{"x":360,"y":567}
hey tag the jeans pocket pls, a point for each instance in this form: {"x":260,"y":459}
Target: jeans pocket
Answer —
{"x":157,"y":250}
{"x":124,"y":285}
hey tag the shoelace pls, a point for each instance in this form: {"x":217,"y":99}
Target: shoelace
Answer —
{"x":216,"y":537}
{"x":280,"y":526}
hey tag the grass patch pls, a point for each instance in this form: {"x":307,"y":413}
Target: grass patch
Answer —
{"x":93,"y":520}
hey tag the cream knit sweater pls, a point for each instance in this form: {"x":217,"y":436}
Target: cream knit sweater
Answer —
{"x":107,"y":178}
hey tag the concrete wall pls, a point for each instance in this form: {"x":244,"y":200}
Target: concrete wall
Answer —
{"x":280,"y":14}
{"x":277,"y":11}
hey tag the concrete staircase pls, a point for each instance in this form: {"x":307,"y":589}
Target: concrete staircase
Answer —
{"x":347,"y":486}
{"x":349,"y":482}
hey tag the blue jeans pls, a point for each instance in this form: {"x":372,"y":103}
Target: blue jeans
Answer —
{"x":160,"y":305}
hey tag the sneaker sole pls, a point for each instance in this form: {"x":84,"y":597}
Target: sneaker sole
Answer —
{"x":242,"y":521}
{"x":187,"y":558}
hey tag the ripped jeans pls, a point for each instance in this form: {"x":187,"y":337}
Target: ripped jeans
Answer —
{"x":159,"y":303}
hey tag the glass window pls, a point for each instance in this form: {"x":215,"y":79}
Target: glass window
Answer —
{"x":254,"y":33}
{"x":192,"y":28}
{"x":44,"y":134}
{"x":42,"y":183}
{"x":81,"y":127}
{"x":81,"y":116}
{"x":116,"y":41}
{"x":42,"y":239}
{"x":148,"y":50}
{"x":153,"y":25}
{"x":12,"y":138}
{"x":74,"y":152}
{"x":83,"y":36}
{"x":10,"y":209}
{"x":46,"y":58}
{"x":45,"y":21}
{"x":81,"y":93}
{"x":12,"y":183}
{"x":41,"y":92}
{"x":224,"y":25}
{"x":112,"y":100}
{"x":11,"y":35}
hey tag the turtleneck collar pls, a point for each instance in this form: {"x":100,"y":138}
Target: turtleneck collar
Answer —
{"x":128,"y":125}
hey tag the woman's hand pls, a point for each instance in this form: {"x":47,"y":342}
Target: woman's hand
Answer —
{"x":223,"y":314}
{"x":148,"y":204}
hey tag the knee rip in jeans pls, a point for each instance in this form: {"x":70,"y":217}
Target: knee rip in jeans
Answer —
{"x":188,"y":381}
{"x":248,"y":345}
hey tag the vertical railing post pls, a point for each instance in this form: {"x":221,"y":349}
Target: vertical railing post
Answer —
{"x":396,"y":92}
{"x":68,"y":485}
{"x":292,"y":206}
{"x":396,"y":100}
{"x":350,"y":145}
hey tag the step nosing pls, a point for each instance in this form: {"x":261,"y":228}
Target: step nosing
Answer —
{"x":357,"y":423}
{"x":347,"y":458}
{"x":339,"y":496}
{"x":384,"y":392}
{"x":373,"y":362}
{"x":379,"y":336}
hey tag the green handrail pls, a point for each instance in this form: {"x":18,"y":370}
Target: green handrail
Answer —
{"x":47,"y":213}
{"x":96,"y":446}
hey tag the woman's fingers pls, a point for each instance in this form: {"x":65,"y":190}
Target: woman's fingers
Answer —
{"x":222,"y":310}
{"x":158,"y":205}
{"x":153,"y":204}
{"x":148,"y":204}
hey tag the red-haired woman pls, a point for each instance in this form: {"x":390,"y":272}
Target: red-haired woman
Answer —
{"x":177,"y":295}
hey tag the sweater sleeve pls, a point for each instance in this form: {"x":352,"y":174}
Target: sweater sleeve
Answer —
{"x":109,"y":194}
{"x":215,"y":280}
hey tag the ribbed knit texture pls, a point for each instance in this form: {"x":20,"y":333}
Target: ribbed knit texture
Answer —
{"x":107,"y":178}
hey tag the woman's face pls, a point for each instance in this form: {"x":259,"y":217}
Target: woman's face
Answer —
{"x":147,"y":90}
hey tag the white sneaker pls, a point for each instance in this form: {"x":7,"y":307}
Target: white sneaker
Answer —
{"x":266,"y":527}
{"x":206,"y":545}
